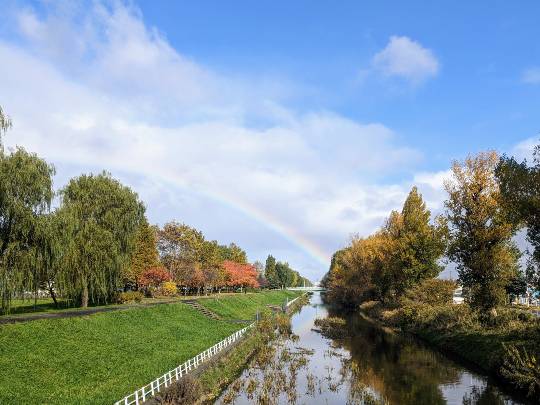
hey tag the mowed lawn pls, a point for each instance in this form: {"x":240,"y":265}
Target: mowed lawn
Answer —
{"x":29,"y":305}
{"x":245,"y":306}
{"x":100,"y":358}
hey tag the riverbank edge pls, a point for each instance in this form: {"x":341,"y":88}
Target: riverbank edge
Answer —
{"x":450,"y":345}
{"x":219,"y":373}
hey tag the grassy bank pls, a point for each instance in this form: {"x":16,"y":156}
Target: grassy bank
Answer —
{"x":102,"y":357}
{"x":245,"y":306}
{"x":505,"y":345}
{"x":217,"y":374}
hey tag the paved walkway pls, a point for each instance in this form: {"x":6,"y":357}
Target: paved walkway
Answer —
{"x":70,"y":313}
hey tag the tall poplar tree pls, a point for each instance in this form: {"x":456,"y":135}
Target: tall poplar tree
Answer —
{"x":520,"y":191}
{"x":480,"y":233}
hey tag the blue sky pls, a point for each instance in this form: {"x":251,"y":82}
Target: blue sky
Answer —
{"x":477,"y":96}
{"x":286,"y":127}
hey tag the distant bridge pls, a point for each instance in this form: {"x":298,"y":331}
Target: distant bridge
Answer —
{"x":313,"y":288}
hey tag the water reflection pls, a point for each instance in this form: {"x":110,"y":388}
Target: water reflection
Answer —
{"x":372,"y":367}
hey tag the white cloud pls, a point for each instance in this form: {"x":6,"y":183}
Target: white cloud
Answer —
{"x":525,"y":149}
{"x":408,"y":59}
{"x":531,"y":75}
{"x":431,"y":185}
{"x":124,"y":100}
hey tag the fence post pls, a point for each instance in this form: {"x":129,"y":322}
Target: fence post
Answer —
{"x":187,"y":366}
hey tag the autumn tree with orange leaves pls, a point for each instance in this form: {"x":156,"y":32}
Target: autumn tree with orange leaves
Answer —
{"x":240,"y":275}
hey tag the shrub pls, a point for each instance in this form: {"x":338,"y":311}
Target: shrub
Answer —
{"x":283,"y":324}
{"x":372,"y":308}
{"x":332,"y":327}
{"x":391,"y":317}
{"x":169,"y":288}
{"x":506,"y":317}
{"x":185,"y":391}
{"x":367,"y":305}
{"x":154,"y":277}
{"x":432,"y":292}
{"x":522,"y":369}
{"x":129,"y":296}
{"x":442,"y":317}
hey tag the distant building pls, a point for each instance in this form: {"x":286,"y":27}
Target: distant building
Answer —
{"x":531,"y":297}
{"x":458,"y":296}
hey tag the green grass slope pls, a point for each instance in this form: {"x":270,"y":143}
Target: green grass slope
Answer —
{"x":245,"y":306}
{"x":100,"y":358}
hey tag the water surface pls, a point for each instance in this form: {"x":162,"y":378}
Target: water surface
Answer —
{"x":373,"y":367}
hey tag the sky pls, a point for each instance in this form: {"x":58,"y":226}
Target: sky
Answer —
{"x":285,"y":127}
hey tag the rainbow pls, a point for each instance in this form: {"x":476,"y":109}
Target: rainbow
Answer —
{"x":271,"y":222}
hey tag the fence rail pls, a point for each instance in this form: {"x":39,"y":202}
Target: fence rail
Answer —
{"x":289,"y":303}
{"x":149,"y":390}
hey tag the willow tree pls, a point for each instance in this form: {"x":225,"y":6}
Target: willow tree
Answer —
{"x":480,"y":233}
{"x":49,"y":252}
{"x":25,"y":195}
{"x":102,"y":218}
{"x":5,"y":124}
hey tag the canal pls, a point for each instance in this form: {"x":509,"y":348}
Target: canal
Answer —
{"x":375,"y":366}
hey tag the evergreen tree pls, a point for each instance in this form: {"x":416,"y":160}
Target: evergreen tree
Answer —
{"x":145,"y":255}
{"x":270,"y":272}
{"x":419,"y":245}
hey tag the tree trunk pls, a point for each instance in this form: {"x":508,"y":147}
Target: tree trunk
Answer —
{"x":53,"y":295}
{"x":84,"y":298}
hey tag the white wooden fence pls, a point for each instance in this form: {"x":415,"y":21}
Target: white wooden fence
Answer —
{"x":289,"y":303}
{"x":148,"y":391}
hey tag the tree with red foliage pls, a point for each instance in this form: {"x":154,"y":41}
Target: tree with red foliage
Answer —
{"x":240,"y":275}
{"x":154,"y":277}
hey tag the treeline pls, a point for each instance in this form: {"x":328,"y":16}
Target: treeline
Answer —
{"x":180,"y":254}
{"x":489,"y":199}
{"x":97,"y":242}
{"x":281,"y":275}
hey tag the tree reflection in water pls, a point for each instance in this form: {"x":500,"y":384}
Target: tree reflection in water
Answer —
{"x":368,"y":366}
